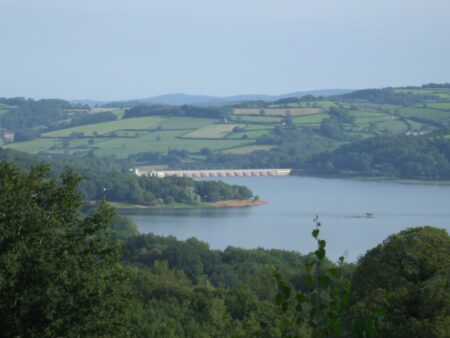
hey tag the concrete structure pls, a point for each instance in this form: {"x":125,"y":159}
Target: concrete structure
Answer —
{"x":213,"y":173}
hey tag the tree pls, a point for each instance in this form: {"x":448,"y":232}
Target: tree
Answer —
{"x":59,"y":272}
{"x":412,"y":269}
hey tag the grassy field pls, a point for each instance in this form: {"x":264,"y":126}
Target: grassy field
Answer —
{"x":148,"y":134}
{"x":253,"y":134}
{"x":213,"y":131}
{"x":439,"y":105}
{"x":310,"y":119}
{"x":425,"y":113}
{"x":107,"y":127}
{"x":277,"y":111}
{"x":34,"y":146}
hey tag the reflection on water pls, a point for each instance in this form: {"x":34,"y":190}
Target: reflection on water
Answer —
{"x":286,"y":221}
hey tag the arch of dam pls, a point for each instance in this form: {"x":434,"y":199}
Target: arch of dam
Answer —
{"x":214,"y":173}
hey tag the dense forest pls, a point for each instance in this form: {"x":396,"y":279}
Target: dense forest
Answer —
{"x":68,"y":274}
{"x":418,"y":157}
{"x":28,"y":113}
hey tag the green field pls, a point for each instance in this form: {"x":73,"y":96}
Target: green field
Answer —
{"x":124,"y":137}
{"x":213,"y":131}
{"x":439,"y":105}
{"x":185,"y":123}
{"x":310,"y":119}
{"x":425,"y":113}
{"x":395,"y":126}
{"x":34,"y":146}
{"x":107,"y":127}
{"x":247,"y":134}
{"x":251,"y":127}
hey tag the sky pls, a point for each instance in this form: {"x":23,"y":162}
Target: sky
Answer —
{"x":124,"y":49}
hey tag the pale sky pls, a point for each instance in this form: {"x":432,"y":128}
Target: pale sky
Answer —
{"x":123,"y":49}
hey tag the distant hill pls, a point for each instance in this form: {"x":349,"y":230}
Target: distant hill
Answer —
{"x":204,"y":100}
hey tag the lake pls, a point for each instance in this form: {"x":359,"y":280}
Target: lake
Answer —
{"x":293,"y":201}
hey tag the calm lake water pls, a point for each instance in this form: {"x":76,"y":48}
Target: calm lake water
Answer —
{"x":286,"y":221}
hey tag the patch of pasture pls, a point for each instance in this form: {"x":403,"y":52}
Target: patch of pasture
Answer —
{"x":259,"y":119}
{"x":310,"y":119}
{"x":108,"y":127}
{"x":258,"y":127}
{"x":213,"y":131}
{"x":395,"y":126}
{"x":424,"y":113}
{"x":247,"y":134}
{"x":415,"y":125}
{"x":436,"y":105}
{"x":185,"y":122}
{"x":33,"y":147}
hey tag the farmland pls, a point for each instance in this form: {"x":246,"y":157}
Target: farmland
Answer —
{"x":214,"y":131}
{"x":243,"y":130}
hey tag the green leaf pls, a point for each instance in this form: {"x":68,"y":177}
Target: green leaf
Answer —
{"x":320,"y":253}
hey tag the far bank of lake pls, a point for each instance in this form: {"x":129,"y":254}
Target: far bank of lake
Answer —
{"x":285,"y":222}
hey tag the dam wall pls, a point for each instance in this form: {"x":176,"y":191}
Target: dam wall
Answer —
{"x":213,"y":173}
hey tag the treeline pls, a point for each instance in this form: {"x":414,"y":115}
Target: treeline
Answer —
{"x":28,"y":118}
{"x":29,"y":113}
{"x":389,"y":96}
{"x":103,"y":178}
{"x":409,"y":157}
{"x":85,"y":119}
{"x":153,"y":191}
{"x":185,"y":110}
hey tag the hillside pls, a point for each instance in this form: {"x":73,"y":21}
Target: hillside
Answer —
{"x":285,"y":132}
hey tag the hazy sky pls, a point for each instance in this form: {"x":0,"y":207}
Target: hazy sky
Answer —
{"x":119,"y":49}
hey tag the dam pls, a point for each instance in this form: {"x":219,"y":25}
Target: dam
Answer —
{"x":213,"y":173}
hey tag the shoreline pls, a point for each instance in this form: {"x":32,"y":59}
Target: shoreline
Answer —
{"x":380,"y":179}
{"x":205,"y":205}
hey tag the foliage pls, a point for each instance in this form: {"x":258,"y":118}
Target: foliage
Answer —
{"x":321,"y":309}
{"x":127,"y":188}
{"x":85,"y":119}
{"x":59,"y":273}
{"x":388,"y":96}
{"x":414,"y":157}
{"x":413,"y":269}
{"x":30,"y":113}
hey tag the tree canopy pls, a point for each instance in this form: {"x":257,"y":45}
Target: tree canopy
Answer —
{"x":411,"y":270}
{"x":59,"y":272}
